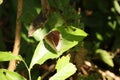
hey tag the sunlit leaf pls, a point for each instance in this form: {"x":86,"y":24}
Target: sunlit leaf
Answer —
{"x":40,"y":33}
{"x":74,"y":31}
{"x":9,"y":75}
{"x":99,"y":36}
{"x":6,"y":56}
{"x":105,"y":57}
{"x":69,"y":38}
{"x":117,"y":6}
{"x":39,"y":78}
{"x":62,"y":62}
{"x":64,"y":69}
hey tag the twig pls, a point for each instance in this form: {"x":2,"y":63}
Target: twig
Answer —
{"x":12,"y":64}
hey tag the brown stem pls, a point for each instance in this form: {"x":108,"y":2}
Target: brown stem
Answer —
{"x":12,"y":64}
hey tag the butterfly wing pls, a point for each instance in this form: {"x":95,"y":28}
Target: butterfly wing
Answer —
{"x":37,"y":23}
{"x":53,"y":39}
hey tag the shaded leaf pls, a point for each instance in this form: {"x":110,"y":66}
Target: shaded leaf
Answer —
{"x":6,"y":56}
{"x":105,"y":57}
{"x":30,"y":11}
{"x":9,"y":75}
{"x":59,"y":4}
{"x":64,"y":69}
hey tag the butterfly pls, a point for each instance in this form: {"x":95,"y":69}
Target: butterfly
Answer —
{"x":39,"y":22}
{"x":53,"y":39}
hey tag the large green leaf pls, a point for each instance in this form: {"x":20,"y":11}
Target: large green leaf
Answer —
{"x":70,"y":38}
{"x":64,"y":69}
{"x":9,"y":75}
{"x":6,"y":56}
{"x":105,"y":57}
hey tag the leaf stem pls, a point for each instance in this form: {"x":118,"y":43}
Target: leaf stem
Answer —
{"x":29,"y":70}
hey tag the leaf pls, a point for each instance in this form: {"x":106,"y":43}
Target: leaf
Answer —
{"x":105,"y":56}
{"x":74,"y":31}
{"x":39,"y":78}
{"x":55,"y":20}
{"x":64,"y":69}
{"x":59,"y":4}
{"x":117,"y":6}
{"x":6,"y":56}
{"x":40,"y":33}
{"x":9,"y":75}
{"x":99,"y":36}
{"x":69,"y":38}
{"x":30,"y":11}
{"x":62,"y":62}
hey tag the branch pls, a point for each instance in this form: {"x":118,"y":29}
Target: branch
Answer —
{"x":12,"y":64}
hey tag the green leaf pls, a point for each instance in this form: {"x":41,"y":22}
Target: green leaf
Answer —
{"x":62,"y":62}
{"x":117,"y":6}
{"x":39,"y":78}
{"x":6,"y":56}
{"x":99,"y":36}
{"x":9,"y":75}
{"x":105,"y":57}
{"x":74,"y":31}
{"x":55,"y":20}
{"x":59,"y":4}
{"x":69,"y":39}
{"x":64,"y":69}
{"x":30,"y":11}
{"x":40,"y":33}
